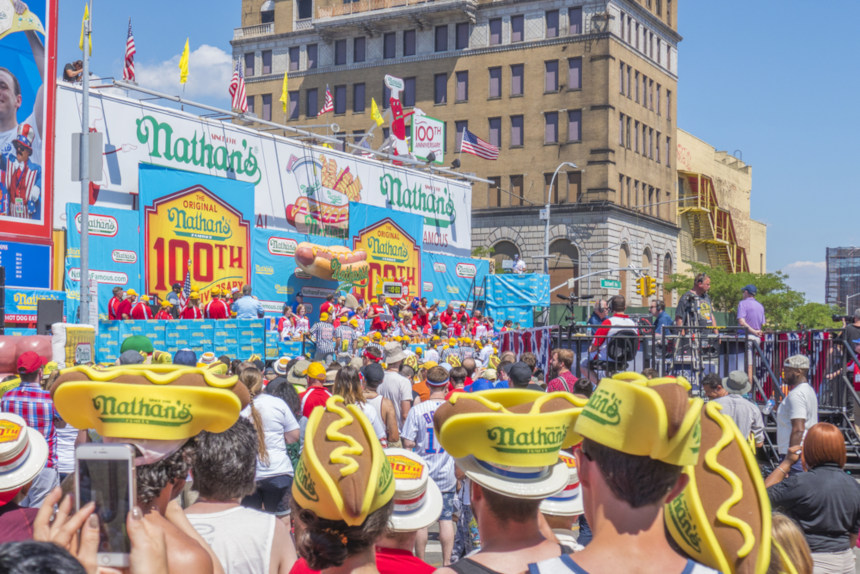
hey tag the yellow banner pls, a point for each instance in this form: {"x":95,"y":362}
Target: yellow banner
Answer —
{"x":393,"y":256}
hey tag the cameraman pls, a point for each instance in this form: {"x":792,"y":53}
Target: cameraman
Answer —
{"x":695,"y":308}
{"x":851,"y":332}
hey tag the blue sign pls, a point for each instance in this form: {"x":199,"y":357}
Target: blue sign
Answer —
{"x":114,"y":256}
{"x":447,"y":279}
{"x":22,"y":304}
{"x":27,"y":264}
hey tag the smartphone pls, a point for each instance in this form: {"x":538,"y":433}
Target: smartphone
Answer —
{"x":104,"y":474}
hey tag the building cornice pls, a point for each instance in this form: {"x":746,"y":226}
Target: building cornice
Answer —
{"x":596,"y":207}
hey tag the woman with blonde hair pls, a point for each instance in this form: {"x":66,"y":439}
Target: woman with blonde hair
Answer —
{"x":276,"y":427}
{"x":790,"y":552}
{"x":347,"y":384}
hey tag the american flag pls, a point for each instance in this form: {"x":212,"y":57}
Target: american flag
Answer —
{"x":237,"y":90}
{"x":329,"y":102}
{"x":186,"y":290}
{"x":470,"y":143}
{"x":130,"y":51}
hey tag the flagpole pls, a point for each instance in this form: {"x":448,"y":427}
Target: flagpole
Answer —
{"x":84,"y":307}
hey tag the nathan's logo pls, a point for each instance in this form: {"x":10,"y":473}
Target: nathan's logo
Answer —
{"x":683,"y":522}
{"x":440,"y":267}
{"x":282,"y":246}
{"x":697,"y":437}
{"x":191,"y":224}
{"x":393,"y":256}
{"x":532,"y":441}
{"x":438,"y":209}
{"x":381,"y":248}
{"x":603,"y":408}
{"x":428,"y":287}
{"x":196,"y":151}
{"x":466,"y":270}
{"x":9,"y":431}
{"x":123,"y":256}
{"x":305,"y":484}
{"x":103,"y":225}
{"x":142,"y":411}
{"x":404,"y":467}
{"x":349,"y":274}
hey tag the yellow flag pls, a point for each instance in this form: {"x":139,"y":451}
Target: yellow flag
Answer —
{"x":284,"y":95}
{"x":83,"y":26}
{"x":183,"y":64}
{"x":374,"y":113}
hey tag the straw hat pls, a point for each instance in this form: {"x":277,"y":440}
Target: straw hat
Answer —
{"x":298,"y":375}
{"x":23,"y":453}
{"x":568,"y":502}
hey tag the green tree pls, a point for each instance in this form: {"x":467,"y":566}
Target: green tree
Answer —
{"x":779,"y":300}
{"x":817,"y":315}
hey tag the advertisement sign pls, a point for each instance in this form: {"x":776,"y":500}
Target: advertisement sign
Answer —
{"x":454,"y":279}
{"x":428,"y":136}
{"x":26,"y":264}
{"x":114,"y":242}
{"x":393,"y":248}
{"x":27,"y":45}
{"x":302,"y":188}
{"x":22,"y":304}
{"x":277,"y":278}
{"x":196,"y":222}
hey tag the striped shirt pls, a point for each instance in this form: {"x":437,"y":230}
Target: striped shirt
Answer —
{"x":419,"y":429}
{"x":323,"y":336}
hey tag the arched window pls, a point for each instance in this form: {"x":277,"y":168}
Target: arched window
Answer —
{"x":505,"y":251}
{"x":267,"y":12}
{"x":563,"y":263}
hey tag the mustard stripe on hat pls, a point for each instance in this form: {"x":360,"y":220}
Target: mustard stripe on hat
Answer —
{"x":633,"y":419}
{"x":343,"y":473}
{"x":722,"y":519}
{"x":514,"y":427}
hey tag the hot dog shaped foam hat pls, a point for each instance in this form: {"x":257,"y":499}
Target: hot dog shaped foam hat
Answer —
{"x":332,"y":262}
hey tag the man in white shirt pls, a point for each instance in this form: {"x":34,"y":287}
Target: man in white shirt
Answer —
{"x":418,"y":433}
{"x":395,"y":387}
{"x":519,"y":265}
{"x":799,"y":410}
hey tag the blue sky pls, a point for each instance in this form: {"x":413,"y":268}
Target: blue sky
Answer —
{"x":772,"y":79}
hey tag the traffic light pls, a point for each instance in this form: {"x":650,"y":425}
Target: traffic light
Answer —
{"x":650,"y":286}
{"x":641,"y":286}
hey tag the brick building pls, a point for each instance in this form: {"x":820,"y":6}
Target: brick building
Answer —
{"x":592,"y":83}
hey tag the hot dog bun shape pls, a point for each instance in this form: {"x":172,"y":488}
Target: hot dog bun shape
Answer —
{"x":331,"y":262}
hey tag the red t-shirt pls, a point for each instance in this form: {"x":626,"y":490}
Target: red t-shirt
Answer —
{"x":388,"y":561}
{"x":378,"y":324}
{"x":217,"y":309}
{"x":558,"y":384}
{"x":445,"y":317}
{"x":452,"y":391}
{"x":164,"y":315}
{"x":462,"y":314}
{"x":113,"y":309}
{"x":326,"y":307}
{"x":141,"y":311}
{"x":192,"y":313}
{"x":124,"y":308}
{"x":312,"y":398}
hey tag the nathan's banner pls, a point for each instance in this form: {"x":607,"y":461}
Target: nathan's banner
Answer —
{"x":27,"y":56}
{"x":276,"y":276}
{"x":302,"y":188}
{"x":191,"y":217}
{"x":22,"y":304}
{"x":114,"y":254}
{"x":452,"y":279}
{"x":392,"y":242}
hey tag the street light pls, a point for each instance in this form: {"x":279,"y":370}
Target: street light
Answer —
{"x":547,"y":213}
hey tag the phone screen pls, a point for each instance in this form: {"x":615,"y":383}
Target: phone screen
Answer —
{"x":106,"y":483}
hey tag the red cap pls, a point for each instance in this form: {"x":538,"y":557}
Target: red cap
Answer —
{"x":29,"y":362}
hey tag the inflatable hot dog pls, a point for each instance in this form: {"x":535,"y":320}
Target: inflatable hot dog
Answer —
{"x":332,"y":263}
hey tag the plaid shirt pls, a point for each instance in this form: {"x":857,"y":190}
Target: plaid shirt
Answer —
{"x":33,"y":404}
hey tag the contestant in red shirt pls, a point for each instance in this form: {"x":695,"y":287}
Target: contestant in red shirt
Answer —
{"x":448,"y":316}
{"x":141,"y":310}
{"x":114,"y":303}
{"x":193,"y":310}
{"x":164,"y":313}
{"x":462,"y":313}
{"x":124,"y":308}
{"x":376,"y":310}
{"x":216,"y":308}
{"x":316,"y":395}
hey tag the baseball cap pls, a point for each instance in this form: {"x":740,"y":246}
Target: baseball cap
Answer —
{"x":520,"y":373}
{"x":373,"y":372}
{"x":797,"y":362}
{"x":316,"y":371}
{"x":29,"y":362}
{"x":751,"y":289}
{"x":185,"y":357}
{"x":131,"y":293}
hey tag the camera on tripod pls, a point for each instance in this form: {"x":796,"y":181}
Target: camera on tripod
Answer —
{"x":840,"y":318}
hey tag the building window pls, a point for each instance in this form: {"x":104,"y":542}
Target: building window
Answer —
{"x":574,"y":185}
{"x":358,"y":98}
{"x":495,"y":31}
{"x":306,"y":9}
{"x":339,"y":52}
{"x":517,"y":26}
{"x":650,"y":143}
{"x":341,"y":141}
{"x":629,"y":192}
{"x":312,"y":56}
{"x":636,"y":87}
{"x":312,"y":106}
{"x":458,"y":134}
{"x":551,"y":76}
{"x":462,"y":40}
{"x":574,"y":21}
{"x":267,"y":107}
{"x":552,"y":194}
{"x":495,"y":90}
{"x":621,"y":130}
{"x":462,"y":86}
{"x":668,"y":104}
{"x":551,"y":127}
{"x":574,"y":125}
{"x":627,"y":132}
{"x":359,"y":49}
{"x":386,"y":97}
{"x":385,"y":133}
{"x":267,"y":16}
{"x":442,"y":38}
{"x":293,"y":106}
{"x":357,"y":136}
{"x":644,"y":90}
{"x":294,"y":59}
{"x":494,"y":192}
{"x":574,"y":73}
{"x":669,"y":12}
{"x":389,"y":45}
{"x":250,"y":101}
{"x":267,"y":61}
{"x":516,"y":131}
{"x":409,"y":42}
{"x":668,"y":149}
{"x":496,"y":131}
{"x":249,"y":64}
{"x":551,"y":18}
{"x":440,"y":89}
{"x":409,"y":92}
{"x":658,"y":146}
{"x":636,"y":137}
{"x":340,"y":99}
{"x":638,"y":45}
{"x":659,"y":52}
{"x":629,"y":74}
{"x":516,"y":190}
{"x":621,"y":79}
{"x":517,"y":80}
{"x":658,"y":100}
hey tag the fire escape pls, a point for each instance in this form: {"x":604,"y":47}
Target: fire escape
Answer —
{"x":711,"y":225}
